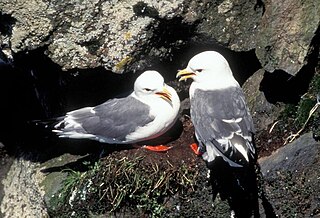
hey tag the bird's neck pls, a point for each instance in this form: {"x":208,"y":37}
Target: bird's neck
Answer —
{"x":216,"y":83}
{"x":144,"y":100}
{"x":151,"y":101}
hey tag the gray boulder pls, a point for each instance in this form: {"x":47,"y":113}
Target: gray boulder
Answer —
{"x":292,"y":178}
{"x":126,"y":36}
{"x":86,"y":34}
{"x":233,"y":24}
{"x":287,"y":34}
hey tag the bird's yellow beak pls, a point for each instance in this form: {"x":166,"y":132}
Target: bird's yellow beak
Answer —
{"x":185,"y":74}
{"x":165,"y":94}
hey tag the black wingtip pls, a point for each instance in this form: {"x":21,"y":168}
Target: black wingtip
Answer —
{"x":45,"y":124}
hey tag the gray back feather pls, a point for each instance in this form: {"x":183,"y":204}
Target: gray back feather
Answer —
{"x":115,"y":119}
{"x":209,"y":112}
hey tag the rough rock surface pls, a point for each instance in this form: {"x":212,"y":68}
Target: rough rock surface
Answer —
{"x":86,"y":34}
{"x":52,"y":181}
{"x":263,"y":112}
{"x":292,"y":178}
{"x":286,"y":33}
{"x":22,"y":194}
{"x":30,"y":26}
{"x":233,"y":24}
{"x":124,"y":35}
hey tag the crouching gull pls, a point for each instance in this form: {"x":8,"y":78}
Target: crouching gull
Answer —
{"x":224,"y":131}
{"x":148,"y":112}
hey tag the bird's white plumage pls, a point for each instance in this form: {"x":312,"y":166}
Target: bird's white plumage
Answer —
{"x":223,"y":124}
{"x":208,"y":79}
{"x":165,"y":114}
{"x":148,"y":112}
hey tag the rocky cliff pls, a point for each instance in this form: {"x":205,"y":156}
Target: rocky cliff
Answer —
{"x":61,"y":55}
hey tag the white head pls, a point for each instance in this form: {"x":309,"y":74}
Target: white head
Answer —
{"x":150,"y":84}
{"x":207,"y":67}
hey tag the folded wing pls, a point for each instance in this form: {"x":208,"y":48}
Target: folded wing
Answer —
{"x":109,"y":122}
{"x":223,"y":125}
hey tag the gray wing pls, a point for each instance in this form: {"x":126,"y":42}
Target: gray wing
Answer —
{"x":223,"y":125}
{"x":111,"y":121}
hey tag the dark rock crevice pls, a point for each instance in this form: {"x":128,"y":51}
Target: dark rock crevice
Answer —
{"x":6,"y":23}
{"x":280,"y":86}
{"x":168,"y":38}
{"x":34,"y":90}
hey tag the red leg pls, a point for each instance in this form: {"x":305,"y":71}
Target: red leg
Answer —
{"x":158,"y":148}
{"x":195,"y":148}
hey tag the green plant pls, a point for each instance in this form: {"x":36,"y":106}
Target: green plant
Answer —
{"x":117,"y":184}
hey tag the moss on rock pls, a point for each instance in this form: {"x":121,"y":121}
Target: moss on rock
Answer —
{"x":122,"y":185}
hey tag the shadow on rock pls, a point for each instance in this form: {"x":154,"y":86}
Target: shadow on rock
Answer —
{"x":241,"y":188}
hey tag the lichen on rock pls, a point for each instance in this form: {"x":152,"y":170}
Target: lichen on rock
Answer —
{"x":286,"y":33}
{"x":233,"y":24}
{"x":31,"y":28}
{"x":86,"y":34}
{"x":23,"y":196}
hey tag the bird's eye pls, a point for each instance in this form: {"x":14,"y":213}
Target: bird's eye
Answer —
{"x":199,"y":70}
{"x":147,"y":89}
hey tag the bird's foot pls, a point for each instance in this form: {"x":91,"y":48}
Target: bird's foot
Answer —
{"x":157,"y":148}
{"x":195,"y":149}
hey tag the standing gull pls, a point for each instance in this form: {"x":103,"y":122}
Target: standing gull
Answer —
{"x":224,"y":130}
{"x":148,"y":112}
{"x":222,"y":121}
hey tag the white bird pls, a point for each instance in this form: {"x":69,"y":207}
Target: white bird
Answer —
{"x":222,"y":121}
{"x":148,"y":112}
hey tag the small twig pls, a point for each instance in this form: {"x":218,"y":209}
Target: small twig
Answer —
{"x":169,"y":163}
{"x":292,"y":137}
{"x":273,"y":125}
